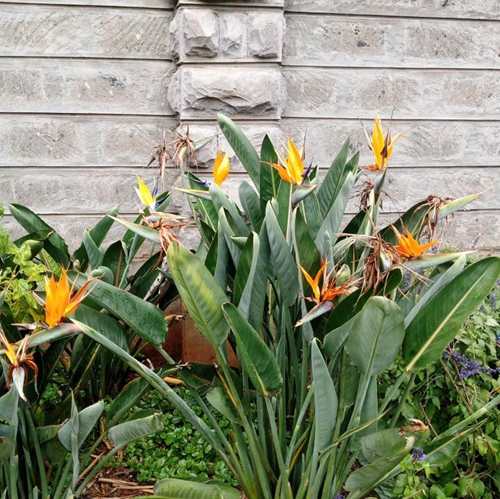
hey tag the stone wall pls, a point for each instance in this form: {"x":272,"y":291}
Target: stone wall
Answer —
{"x":90,"y":86}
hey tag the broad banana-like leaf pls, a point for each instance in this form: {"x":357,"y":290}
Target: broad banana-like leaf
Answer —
{"x":139,"y":229}
{"x":269,"y":177}
{"x":226,"y":229}
{"x":54,"y":244}
{"x":87,"y":419}
{"x":376,"y":336}
{"x":98,"y":233}
{"x":124,"y":433}
{"x":306,"y":250}
{"x":283,"y":264}
{"x":218,"y":400}
{"x":200,"y":293}
{"x":382,"y":444}
{"x":183,"y":489}
{"x":365,"y":479}
{"x":250,"y":203}
{"x":325,"y":402}
{"x":437,"y":323}
{"x":440,"y":282}
{"x":104,"y":323}
{"x":50,"y":335}
{"x":427,"y":261}
{"x":334,"y":180}
{"x":327,"y":233}
{"x":257,"y":359}
{"x":130,"y":394}
{"x":450,"y":207}
{"x":94,"y":253}
{"x":242,"y":147}
{"x":221,"y":200}
{"x":143,"y":317}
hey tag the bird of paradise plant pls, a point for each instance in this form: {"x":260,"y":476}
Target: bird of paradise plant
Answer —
{"x":292,"y":169}
{"x":410,"y":248}
{"x":382,"y":146}
{"x":18,"y":360}
{"x":60,"y":299}
{"x":147,"y":198}
{"x":221,"y":168}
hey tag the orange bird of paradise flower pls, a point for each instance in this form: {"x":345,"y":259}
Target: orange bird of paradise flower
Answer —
{"x":292,"y":169}
{"x":329,"y":289}
{"x":60,"y":300}
{"x":408,"y":247}
{"x":222,"y":167}
{"x":382,"y":146}
{"x":18,"y":359}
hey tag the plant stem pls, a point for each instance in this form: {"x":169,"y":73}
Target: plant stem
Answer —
{"x":409,"y":387}
{"x":38,"y":453}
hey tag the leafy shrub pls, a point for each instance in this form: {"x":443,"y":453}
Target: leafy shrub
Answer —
{"x":316,"y":314}
{"x":447,"y":393}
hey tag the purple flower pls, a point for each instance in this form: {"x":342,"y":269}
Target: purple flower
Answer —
{"x":468,"y":367}
{"x":418,"y":454}
{"x":340,"y":496}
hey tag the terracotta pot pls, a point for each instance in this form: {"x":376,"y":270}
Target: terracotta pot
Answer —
{"x":184,"y":342}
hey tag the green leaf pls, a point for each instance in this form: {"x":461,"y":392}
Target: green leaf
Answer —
{"x":139,"y":229}
{"x":182,"y":489}
{"x":334,"y":180}
{"x":283,"y":263}
{"x":427,"y":261}
{"x":124,"y":433}
{"x":200,"y":293}
{"x":95,"y":255}
{"x":376,"y":336}
{"x":325,"y":401}
{"x":251,"y":204}
{"x":54,"y":244}
{"x":241,"y":146}
{"x":218,"y":400}
{"x":143,"y":317}
{"x":437,"y":323}
{"x":365,"y":479}
{"x":257,"y":359}
{"x":269,"y":177}
{"x":87,"y":419}
{"x":98,"y":233}
{"x":130,"y":394}
{"x":327,"y":233}
{"x":104,"y":323}
{"x":442,"y":281}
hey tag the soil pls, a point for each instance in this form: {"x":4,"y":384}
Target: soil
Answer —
{"x":117,"y":483}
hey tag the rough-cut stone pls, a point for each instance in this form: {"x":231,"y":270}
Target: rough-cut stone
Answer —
{"x":83,"y":32}
{"x":424,"y":143}
{"x":213,"y":140}
{"x":199,"y":92}
{"x":66,"y":141}
{"x":474,"y":9}
{"x":232,"y":35}
{"x":404,"y":94}
{"x":265,"y":35}
{"x":82,"y":86}
{"x":227,"y":35}
{"x":200,"y":33}
{"x":391,"y":42}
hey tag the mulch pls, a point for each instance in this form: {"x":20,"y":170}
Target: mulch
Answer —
{"x":117,"y":483}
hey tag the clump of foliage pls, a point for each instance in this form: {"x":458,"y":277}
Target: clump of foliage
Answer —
{"x":54,"y":382}
{"x":316,"y":311}
{"x":19,"y":276}
{"x":178,"y":450}
{"x":463,"y":381}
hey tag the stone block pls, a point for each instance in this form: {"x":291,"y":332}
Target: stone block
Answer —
{"x":203,"y":91}
{"x":265,"y":35}
{"x":200,"y":33}
{"x":226,"y":35}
